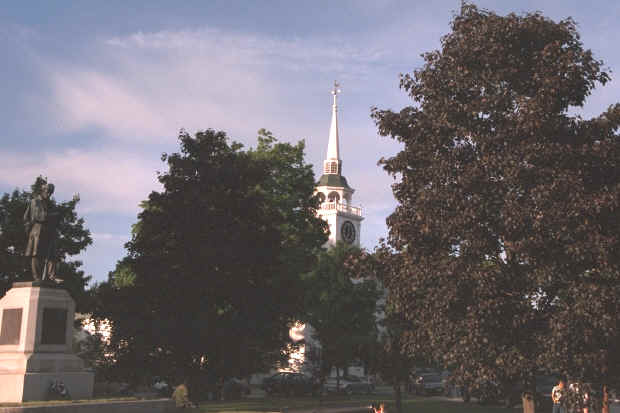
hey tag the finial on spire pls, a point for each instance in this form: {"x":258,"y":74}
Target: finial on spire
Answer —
{"x":336,"y":90}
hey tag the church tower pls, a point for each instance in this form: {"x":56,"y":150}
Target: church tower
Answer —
{"x":344,"y":219}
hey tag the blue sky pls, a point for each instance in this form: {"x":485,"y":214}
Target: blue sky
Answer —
{"x":93,"y":92}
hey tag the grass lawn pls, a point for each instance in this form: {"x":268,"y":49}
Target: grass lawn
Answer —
{"x":410,"y":405}
{"x":430,"y":405}
{"x":52,"y":402}
{"x":277,"y":404}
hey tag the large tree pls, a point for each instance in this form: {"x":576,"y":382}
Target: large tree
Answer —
{"x":400,"y":345}
{"x":508,"y":201}
{"x":340,"y":307}
{"x":212,"y":281}
{"x":73,"y":238}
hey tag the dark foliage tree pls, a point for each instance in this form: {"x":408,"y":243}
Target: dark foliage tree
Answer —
{"x":73,"y":239}
{"x":400,"y":345}
{"x":341,"y":309}
{"x":508,"y":203}
{"x":213,"y":277}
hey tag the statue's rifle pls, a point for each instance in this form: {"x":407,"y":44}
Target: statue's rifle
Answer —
{"x":52,"y":244}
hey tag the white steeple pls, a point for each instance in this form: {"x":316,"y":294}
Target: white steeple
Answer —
{"x":332,"y":163}
{"x":343,"y":218}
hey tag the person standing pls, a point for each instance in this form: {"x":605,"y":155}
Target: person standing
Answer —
{"x":557,"y":396}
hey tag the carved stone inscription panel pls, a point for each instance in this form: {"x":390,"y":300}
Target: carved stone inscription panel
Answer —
{"x":11,"y":328}
{"x":54,"y":326}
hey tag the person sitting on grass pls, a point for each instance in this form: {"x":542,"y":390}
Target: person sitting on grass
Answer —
{"x":181,"y":396}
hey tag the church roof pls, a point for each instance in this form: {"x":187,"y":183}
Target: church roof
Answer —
{"x":333,"y":180}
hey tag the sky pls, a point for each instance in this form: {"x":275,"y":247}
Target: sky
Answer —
{"x":92,"y":93}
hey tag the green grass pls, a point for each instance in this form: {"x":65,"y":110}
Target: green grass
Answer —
{"x":48,"y":402}
{"x":410,"y":405}
{"x":277,"y":404}
{"x":443,"y":406}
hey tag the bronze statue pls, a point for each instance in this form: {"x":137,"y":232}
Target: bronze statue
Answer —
{"x":41,"y":229}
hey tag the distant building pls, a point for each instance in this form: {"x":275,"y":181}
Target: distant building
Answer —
{"x":345,"y":224}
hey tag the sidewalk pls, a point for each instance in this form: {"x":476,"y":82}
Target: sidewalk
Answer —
{"x":352,"y":409}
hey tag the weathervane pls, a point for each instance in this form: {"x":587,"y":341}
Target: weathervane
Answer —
{"x":335,"y":91}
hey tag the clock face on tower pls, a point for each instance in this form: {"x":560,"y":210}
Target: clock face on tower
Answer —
{"x":348,"y":232}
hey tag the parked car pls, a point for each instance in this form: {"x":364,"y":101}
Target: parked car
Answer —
{"x":349,"y":385}
{"x":161,"y":386}
{"x":429,"y":383}
{"x":291,"y":384}
{"x":234,"y":389}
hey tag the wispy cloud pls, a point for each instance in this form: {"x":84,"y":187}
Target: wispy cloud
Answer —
{"x":253,"y":49}
{"x":95,"y":99}
{"x":146,"y":86}
{"x":106,"y":181}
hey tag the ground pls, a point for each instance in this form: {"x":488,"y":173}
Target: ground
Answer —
{"x":411,"y":404}
{"x":417,"y":405}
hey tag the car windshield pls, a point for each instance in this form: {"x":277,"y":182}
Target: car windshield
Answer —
{"x":432,"y":378}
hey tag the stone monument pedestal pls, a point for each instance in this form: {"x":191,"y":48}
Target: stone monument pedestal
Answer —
{"x":36,"y":344}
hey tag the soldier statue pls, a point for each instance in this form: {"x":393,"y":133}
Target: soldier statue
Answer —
{"x":41,"y":226}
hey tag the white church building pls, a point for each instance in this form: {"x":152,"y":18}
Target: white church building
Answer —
{"x":345,"y":224}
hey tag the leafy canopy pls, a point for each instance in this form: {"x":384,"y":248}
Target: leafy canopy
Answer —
{"x":508,"y":202}
{"x":212,"y":279}
{"x":340,"y":309}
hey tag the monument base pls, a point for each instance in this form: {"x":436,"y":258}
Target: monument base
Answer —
{"x":17,"y":388}
{"x":36,"y":344}
{"x":39,"y":363}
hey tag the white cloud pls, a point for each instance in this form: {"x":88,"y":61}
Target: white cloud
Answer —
{"x":108,"y":181}
{"x":146,"y":86}
{"x":91,"y":98}
{"x":232,"y":48}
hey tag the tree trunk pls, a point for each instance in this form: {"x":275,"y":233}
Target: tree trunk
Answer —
{"x":398,"y":397}
{"x":605,"y":407}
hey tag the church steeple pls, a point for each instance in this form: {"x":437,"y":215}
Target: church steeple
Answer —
{"x":333,"y":163}
{"x":343,"y":218}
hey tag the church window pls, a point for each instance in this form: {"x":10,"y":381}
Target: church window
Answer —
{"x":321,"y":196}
{"x":334,"y":197}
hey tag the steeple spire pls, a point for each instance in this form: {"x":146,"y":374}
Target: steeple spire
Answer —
{"x":332,"y":163}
